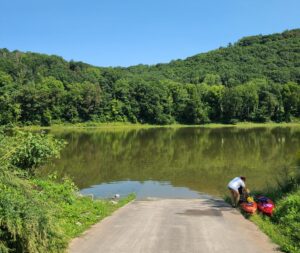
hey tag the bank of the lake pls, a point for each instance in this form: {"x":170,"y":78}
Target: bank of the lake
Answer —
{"x":75,"y":213}
{"x":283,"y":226}
{"x":125,"y":125}
{"x":41,"y":214}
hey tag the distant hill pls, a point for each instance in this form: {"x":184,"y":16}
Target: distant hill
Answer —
{"x":276,"y":57}
{"x":255,"y":79}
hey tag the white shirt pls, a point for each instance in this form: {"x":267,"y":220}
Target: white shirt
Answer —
{"x":236,"y":183}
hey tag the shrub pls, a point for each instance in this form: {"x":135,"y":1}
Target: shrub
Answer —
{"x":27,"y":223}
{"x":35,"y":150}
{"x":287,"y":217}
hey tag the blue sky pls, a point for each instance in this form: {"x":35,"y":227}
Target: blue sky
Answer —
{"x":129,"y":32}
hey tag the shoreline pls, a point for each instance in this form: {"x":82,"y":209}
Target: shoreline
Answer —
{"x":129,"y":126}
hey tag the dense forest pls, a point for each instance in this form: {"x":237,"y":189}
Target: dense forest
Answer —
{"x":255,"y":79}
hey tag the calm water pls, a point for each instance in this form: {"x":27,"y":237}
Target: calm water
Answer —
{"x":180,"y":163}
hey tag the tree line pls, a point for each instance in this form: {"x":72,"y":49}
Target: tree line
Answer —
{"x":255,"y":79}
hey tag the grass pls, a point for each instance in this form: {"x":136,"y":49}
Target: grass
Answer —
{"x":43,"y":215}
{"x":85,"y":212}
{"x":126,"y":125}
{"x":266,"y":225}
{"x":76,"y":213}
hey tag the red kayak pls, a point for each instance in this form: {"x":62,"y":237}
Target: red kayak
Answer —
{"x":249,"y":207}
{"x":265,"y":205}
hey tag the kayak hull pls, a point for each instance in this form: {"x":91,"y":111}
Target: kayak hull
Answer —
{"x":249,"y":207}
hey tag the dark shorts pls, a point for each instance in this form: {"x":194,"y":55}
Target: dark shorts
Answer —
{"x":241,"y":190}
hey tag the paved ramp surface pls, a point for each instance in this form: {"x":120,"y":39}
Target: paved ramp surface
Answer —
{"x":174,"y":225}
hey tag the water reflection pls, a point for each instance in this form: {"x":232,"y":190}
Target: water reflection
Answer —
{"x":142,"y":190}
{"x":199,"y":159}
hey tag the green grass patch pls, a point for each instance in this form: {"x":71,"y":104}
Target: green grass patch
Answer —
{"x":74,"y":212}
{"x":115,"y":126}
{"x":84,"y":212}
{"x":274,"y":231}
{"x":43,"y":215}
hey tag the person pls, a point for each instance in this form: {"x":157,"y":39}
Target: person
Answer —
{"x":237,"y":186}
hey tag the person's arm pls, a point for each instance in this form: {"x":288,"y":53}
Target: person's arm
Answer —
{"x":243,"y":184}
{"x":245,"y":192}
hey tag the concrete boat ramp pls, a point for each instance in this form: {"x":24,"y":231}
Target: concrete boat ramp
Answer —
{"x":172,"y":226}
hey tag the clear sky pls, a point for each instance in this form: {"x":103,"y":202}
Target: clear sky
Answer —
{"x":129,"y":32}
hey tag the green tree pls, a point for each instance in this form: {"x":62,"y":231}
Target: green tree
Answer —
{"x":195,"y":112}
{"x":232,"y":103}
{"x":291,"y":100}
{"x":9,"y":110}
{"x":212,"y":98}
{"x":154,"y":103}
{"x":178,"y":99}
{"x":212,"y":79}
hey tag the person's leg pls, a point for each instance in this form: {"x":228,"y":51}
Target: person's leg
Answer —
{"x":234,"y":197}
{"x":237,"y":198}
{"x":231,"y":196}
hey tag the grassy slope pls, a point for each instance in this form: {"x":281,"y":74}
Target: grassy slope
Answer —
{"x":73,"y":212}
{"x":85,"y":212}
{"x":274,"y":232}
{"x":284,"y":226}
{"x":76,"y":213}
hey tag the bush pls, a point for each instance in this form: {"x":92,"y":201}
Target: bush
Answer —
{"x":287,"y":217}
{"x":27,"y":222}
{"x":35,"y":150}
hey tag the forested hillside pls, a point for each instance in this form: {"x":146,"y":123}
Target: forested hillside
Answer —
{"x":255,"y":79}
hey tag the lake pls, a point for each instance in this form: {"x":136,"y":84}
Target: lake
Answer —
{"x":182,"y":162}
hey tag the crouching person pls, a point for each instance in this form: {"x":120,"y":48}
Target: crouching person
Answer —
{"x":236,"y":186}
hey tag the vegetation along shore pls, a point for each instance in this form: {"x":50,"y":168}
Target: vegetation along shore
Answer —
{"x":41,"y":215}
{"x":283,"y":226}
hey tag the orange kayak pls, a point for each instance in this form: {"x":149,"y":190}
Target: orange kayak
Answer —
{"x":249,"y":207}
